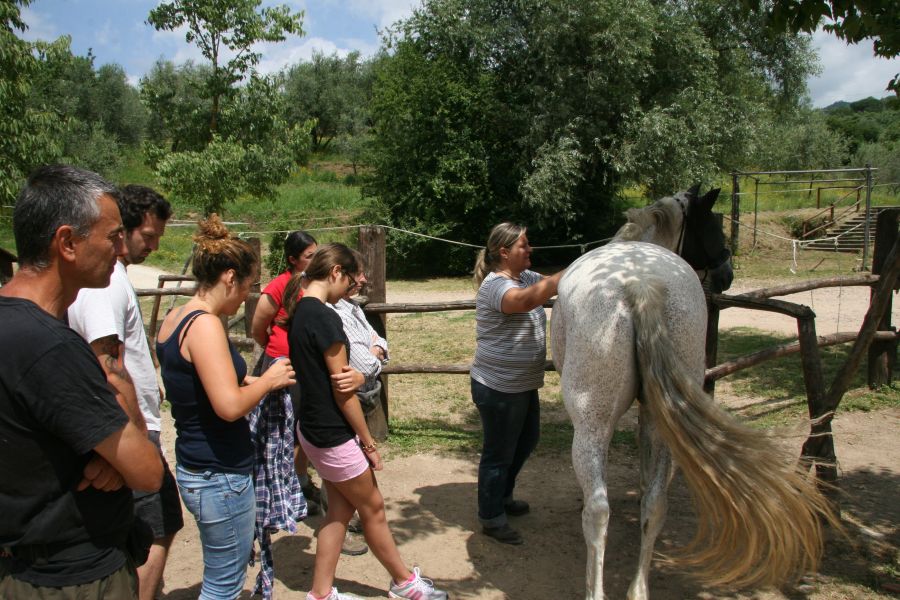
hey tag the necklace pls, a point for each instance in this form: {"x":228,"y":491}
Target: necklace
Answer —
{"x":508,"y":274}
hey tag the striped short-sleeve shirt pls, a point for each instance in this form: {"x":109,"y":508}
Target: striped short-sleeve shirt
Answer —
{"x":511,"y":348}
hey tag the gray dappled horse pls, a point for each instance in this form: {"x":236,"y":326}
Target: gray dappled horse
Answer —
{"x":630,"y":322}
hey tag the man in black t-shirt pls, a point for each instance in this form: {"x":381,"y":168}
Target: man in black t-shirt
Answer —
{"x":67,"y":449}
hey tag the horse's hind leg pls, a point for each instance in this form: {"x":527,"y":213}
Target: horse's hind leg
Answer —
{"x":656,"y":473}
{"x":594,"y":417}
{"x":589,"y":457}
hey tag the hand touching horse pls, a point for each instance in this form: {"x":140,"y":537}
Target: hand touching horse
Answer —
{"x":630,"y":322}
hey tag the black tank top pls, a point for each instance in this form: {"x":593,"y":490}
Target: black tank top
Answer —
{"x":205,"y":441}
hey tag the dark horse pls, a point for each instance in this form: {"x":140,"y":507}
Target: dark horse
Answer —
{"x":630,"y":322}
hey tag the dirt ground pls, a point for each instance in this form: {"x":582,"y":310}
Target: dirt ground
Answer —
{"x":431,"y":500}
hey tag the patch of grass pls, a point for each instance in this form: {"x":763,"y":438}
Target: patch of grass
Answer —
{"x":412,"y":436}
{"x":433,"y":284}
{"x":778,"y":384}
{"x":134,"y":170}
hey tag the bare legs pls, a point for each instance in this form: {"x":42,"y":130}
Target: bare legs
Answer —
{"x":151,"y":572}
{"x":358,"y":494}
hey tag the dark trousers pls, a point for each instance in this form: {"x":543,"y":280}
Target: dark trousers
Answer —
{"x":511,"y":425}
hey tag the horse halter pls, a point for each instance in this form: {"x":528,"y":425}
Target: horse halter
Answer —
{"x":684,"y":216}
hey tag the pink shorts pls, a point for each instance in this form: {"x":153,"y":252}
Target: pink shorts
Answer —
{"x":337,"y":464}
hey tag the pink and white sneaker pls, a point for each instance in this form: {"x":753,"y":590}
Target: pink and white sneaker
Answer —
{"x":417,"y":588}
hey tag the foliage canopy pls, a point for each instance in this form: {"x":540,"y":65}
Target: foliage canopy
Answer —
{"x":542,"y":110}
{"x":28,"y":132}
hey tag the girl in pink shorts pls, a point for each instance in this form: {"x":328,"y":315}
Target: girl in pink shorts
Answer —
{"x":333,"y":430}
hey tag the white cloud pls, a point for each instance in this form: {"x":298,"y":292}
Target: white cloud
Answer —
{"x":40,"y":25}
{"x":276,"y":56}
{"x":849,"y":72}
{"x":172,"y":45}
{"x":382,"y":12}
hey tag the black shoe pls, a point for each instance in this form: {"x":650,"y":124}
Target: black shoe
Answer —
{"x":516,"y":508}
{"x":503,"y":534}
{"x":312,"y":509}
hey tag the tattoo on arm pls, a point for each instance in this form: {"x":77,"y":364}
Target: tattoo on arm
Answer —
{"x":110,"y":349}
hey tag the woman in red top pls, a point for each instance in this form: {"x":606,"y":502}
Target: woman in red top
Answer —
{"x":299,"y":248}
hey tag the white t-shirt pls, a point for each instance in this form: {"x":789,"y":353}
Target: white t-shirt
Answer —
{"x":114,"y":310}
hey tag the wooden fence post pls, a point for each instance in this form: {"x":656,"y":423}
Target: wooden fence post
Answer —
{"x":818,"y":450}
{"x":712,"y":329}
{"x":735,"y":212}
{"x":372,"y":246}
{"x":253,"y":299}
{"x":883,"y":355}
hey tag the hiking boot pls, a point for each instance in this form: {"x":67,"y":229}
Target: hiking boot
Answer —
{"x":312,"y":509}
{"x":504,"y":534}
{"x":417,"y":588}
{"x":355,"y":525}
{"x":312,"y":491}
{"x":334,"y":595}
{"x":516,"y":508}
{"x":354,"y":544}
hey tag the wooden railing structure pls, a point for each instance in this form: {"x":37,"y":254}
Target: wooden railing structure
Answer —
{"x":877,"y":335}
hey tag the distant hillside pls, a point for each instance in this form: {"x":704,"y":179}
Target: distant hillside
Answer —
{"x":869,"y":104}
{"x":836,"y":106}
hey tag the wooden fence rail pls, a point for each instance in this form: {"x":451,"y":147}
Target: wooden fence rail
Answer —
{"x":372,"y":240}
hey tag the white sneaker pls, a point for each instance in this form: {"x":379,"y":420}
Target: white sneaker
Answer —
{"x":334,"y":595}
{"x":420,"y":588}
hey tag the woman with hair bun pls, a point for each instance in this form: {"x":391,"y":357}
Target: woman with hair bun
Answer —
{"x":207,"y":384}
{"x":510,"y":352}
{"x":333,"y":429}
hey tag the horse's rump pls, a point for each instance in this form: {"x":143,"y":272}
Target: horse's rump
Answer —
{"x":758,"y":516}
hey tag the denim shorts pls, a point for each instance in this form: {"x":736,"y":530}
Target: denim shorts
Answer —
{"x":224,"y":506}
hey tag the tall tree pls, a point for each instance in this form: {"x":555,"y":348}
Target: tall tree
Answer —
{"x":334,"y":91}
{"x":28,"y":132}
{"x":98,"y":109}
{"x":246,"y":147}
{"x":179,"y":111}
{"x":225,"y":32}
{"x":543,"y":110}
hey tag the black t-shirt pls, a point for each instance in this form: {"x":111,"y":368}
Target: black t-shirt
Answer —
{"x":54,"y":408}
{"x":314,"y":329}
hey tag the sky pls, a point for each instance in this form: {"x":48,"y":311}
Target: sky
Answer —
{"x":116,"y":32}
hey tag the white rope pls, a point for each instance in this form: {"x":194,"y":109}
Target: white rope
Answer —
{"x":837,"y":327}
{"x":756,"y":229}
{"x":795,"y":248}
{"x":583,"y":246}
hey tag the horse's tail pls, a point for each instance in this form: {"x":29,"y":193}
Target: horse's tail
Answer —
{"x":759,"y":515}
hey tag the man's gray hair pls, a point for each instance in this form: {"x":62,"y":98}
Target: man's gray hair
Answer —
{"x":53,"y":196}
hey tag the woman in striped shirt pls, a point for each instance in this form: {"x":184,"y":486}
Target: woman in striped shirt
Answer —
{"x":507,"y":371}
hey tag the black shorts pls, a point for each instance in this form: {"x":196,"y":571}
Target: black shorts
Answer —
{"x":161,"y":510}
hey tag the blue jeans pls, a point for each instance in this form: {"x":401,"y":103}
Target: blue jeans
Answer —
{"x":511,"y":424}
{"x":224,"y":505}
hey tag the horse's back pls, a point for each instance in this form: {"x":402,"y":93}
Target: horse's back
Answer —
{"x":593,"y":327}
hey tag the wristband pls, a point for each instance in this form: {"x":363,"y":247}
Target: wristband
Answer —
{"x":369,"y":449}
